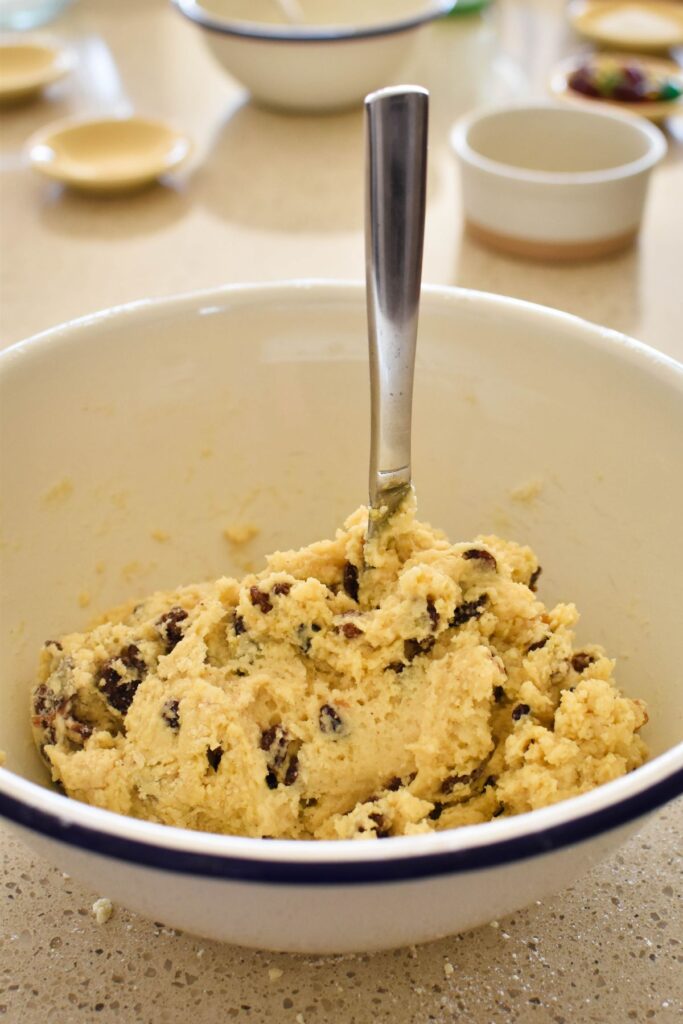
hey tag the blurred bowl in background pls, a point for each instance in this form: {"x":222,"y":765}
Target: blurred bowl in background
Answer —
{"x":551,"y":181}
{"x":28,"y":64}
{"x":107,"y":154}
{"x":19,"y":15}
{"x":321,"y":57}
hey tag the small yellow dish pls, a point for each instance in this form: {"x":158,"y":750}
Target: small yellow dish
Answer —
{"x":111,"y":154}
{"x":656,"y":111}
{"x":29,"y":65}
{"x":650,"y":26}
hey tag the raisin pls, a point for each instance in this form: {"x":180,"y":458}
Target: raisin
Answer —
{"x":329,"y":720}
{"x":303,"y":638}
{"x":49,"y":738}
{"x":119,"y":691}
{"x":468,"y":610}
{"x":411,"y":648}
{"x":267,"y":737}
{"x":271,"y":780}
{"x":350,"y":580}
{"x":498,"y":694}
{"x":45,"y":701}
{"x":238,"y":625}
{"x":81,"y":729}
{"x":448,"y":784}
{"x":436,"y":811}
{"x":538,"y":645}
{"x":520,"y":711}
{"x":282,"y":589}
{"x":278,"y":737}
{"x":213,"y":756}
{"x":109,"y":674}
{"x":292,"y":773}
{"x":119,"y":694}
{"x":351,"y":631}
{"x":54,"y":643}
{"x":395,"y":666}
{"x":169,"y":627}
{"x":581,"y":661}
{"x":131,"y":658}
{"x":433,"y":614}
{"x":480,"y":555}
{"x":394,"y":784}
{"x":491,"y":780}
{"x":381,"y":825}
{"x":315,"y":627}
{"x":260,"y":599}
{"x":169,"y":713}
{"x":498,"y":811}
{"x":310,"y":801}
{"x":533,"y":579}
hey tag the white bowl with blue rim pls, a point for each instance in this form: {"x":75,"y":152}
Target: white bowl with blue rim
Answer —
{"x":306,"y":56}
{"x":172,"y":415}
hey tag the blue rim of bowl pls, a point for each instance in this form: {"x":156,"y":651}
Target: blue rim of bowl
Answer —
{"x":194,"y":11}
{"x":399,"y":869}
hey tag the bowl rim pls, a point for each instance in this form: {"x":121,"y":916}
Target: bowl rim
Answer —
{"x":346,"y":862}
{"x":195,"y":11}
{"x":657,"y":144}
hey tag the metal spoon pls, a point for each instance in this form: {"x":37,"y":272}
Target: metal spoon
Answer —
{"x":396,"y":156}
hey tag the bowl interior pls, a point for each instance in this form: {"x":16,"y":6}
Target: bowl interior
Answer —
{"x":133,"y":441}
{"x":299,"y":14}
{"x":110,"y":148}
{"x":557,"y":139}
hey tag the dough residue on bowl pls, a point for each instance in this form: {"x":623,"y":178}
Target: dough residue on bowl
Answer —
{"x":349,"y":690}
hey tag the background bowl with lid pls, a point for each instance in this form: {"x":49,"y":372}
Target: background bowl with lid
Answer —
{"x":320,"y":57}
{"x":552,"y":181}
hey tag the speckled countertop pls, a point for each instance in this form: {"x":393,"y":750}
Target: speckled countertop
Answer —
{"x":607,"y":951}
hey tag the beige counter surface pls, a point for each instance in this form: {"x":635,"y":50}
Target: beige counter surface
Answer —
{"x":266,"y":197}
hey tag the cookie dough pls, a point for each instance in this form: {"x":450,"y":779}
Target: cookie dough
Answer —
{"x":349,"y":690}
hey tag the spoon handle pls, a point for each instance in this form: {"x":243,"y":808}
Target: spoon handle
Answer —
{"x":396,"y":154}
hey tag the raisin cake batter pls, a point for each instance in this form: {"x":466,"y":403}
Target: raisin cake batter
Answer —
{"x":349,"y":690}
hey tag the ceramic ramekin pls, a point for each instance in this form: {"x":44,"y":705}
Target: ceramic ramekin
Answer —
{"x":555,"y":182}
{"x":326,"y":64}
{"x":188,"y":415}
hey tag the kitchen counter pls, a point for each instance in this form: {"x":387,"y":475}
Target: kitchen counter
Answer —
{"x":265,"y":197}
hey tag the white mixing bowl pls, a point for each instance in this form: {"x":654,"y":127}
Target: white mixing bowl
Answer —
{"x":329,"y":59}
{"x":251,"y":403}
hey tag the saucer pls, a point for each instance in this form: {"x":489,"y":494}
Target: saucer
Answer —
{"x":656,"y":111}
{"x":111,"y":154}
{"x":650,"y":26}
{"x":28,"y":65}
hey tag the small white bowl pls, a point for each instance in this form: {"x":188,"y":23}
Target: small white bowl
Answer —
{"x":176,"y":414}
{"x":329,"y":60}
{"x":555,"y":182}
{"x":109,"y":154}
{"x":28,"y":64}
